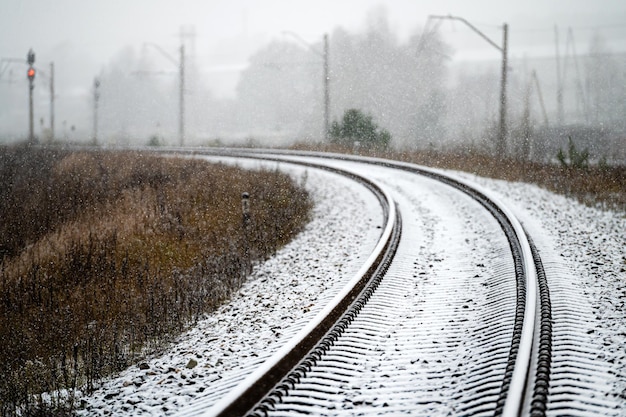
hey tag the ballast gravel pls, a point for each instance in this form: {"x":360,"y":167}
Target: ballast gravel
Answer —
{"x":278,"y":298}
{"x":583,"y":250}
{"x":585,"y":246}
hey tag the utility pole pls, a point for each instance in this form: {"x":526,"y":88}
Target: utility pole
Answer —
{"x":502,"y":136}
{"x":30,"y":58}
{"x":562,"y":63}
{"x":96,"y":97}
{"x":181,"y":121}
{"x":502,"y":131}
{"x":325,"y":56}
{"x":52,"y":102}
{"x":180,"y":63}
{"x":559,"y":80}
{"x":543,"y":106}
{"x":326,"y":91}
{"x":188,"y":71}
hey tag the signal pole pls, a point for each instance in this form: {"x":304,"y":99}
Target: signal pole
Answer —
{"x":52,"y":102}
{"x":30,"y":58}
{"x":96,"y":97}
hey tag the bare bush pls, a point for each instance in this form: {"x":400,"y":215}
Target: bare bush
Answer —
{"x":599,"y":185}
{"x":113,"y":253}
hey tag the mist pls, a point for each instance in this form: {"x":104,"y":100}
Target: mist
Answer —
{"x":415,"y":80}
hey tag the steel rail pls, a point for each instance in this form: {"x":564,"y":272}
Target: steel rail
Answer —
{"x":515,"y":394}
{"x":327,"y":325}
{"x":533,"y":324}
{"x":511,"y":402}
{"x":513,"y":399}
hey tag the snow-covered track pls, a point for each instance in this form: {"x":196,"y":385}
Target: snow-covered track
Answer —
{"x":523,"y":364}
{"x":292,"y":361}
{"x":510,"y":377}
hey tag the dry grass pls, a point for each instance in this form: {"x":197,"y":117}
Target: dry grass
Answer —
{"x":600,"y":186}
{"x":106,"y":255}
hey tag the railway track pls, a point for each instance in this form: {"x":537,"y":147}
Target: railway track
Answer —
{"x":428,"y":325}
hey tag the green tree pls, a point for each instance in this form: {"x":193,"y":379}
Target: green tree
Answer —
{"x":357,"y":126}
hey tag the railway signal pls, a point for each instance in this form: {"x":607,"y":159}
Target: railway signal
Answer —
{"x":30,"y":58}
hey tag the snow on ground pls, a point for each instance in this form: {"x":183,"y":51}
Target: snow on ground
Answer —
{"x":584,"y":253}
{"x":283,"y":293}
{"x":589,"y":243}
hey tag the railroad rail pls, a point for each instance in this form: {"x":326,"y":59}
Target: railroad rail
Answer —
{"x":305,"y":374}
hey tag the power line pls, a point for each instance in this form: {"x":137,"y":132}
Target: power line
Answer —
{"x":594,"y":27}
{"x":540,"y":29}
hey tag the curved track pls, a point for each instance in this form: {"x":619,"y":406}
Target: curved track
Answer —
{"x":429,"y":325}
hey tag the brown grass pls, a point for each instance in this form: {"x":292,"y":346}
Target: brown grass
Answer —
{"x":106,"y":255}
{"x":600,"y":186}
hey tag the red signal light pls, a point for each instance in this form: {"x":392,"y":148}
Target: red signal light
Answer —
{"x":31,"y":73}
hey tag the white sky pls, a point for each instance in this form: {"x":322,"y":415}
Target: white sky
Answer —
{"x":227,"y":31}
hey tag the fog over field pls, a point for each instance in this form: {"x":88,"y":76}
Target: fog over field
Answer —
{"x":253,"y":72}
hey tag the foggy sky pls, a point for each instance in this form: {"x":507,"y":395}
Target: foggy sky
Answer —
{"x":83,"y":37}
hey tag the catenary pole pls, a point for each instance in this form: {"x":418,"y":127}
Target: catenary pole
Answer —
{"x":502,"y":131}
{"x":180,"y":63}
{"x":181,"y":120}
{"x":325,"y":56}
{"x":52,"y":102}
{"x":326,"y":90}
{"x":502,"y":136}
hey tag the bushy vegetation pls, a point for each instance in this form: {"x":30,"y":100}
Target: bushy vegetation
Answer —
{"x":107,"y":255}
{"x":598,"y":185}
{"x":574,"y":158}
{"x":356,"y":126}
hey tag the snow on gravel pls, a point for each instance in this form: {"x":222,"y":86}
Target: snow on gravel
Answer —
{"x":588,"y":245}
{"x":286,"y":290}
{"x":584,"y":253}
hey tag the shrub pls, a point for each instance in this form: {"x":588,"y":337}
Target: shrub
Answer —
{"x":575,"y":159}
{"x":154,"y":141}
{"x":113,"y":253}
{"x":358,"y":127}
